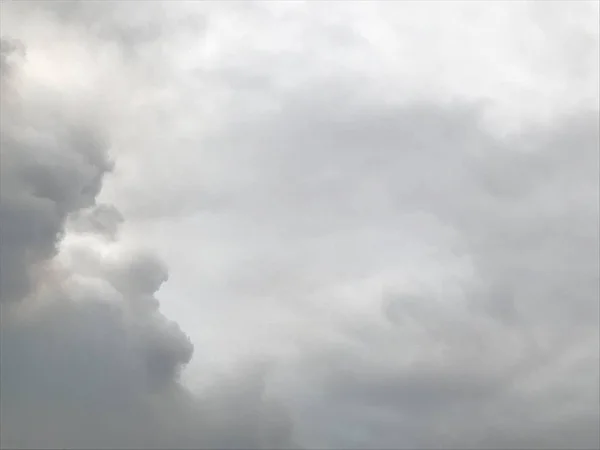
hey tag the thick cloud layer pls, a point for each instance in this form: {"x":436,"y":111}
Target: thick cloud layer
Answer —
{"x":87,"y":360}
{"x":493,"y":358}
{"x":49,"y":170}
{"x":384,"y":216}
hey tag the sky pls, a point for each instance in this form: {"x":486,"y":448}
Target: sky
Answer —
{"x":302,"y":225}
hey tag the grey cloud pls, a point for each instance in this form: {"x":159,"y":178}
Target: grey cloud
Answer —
{"x":48,"y":171}
{"x":511,"y":360}
{"x":329,"y":180}
{"x":526,"y":213}
{"x":101,"y":219}
{"x":87,"y":359}
{"x":135,"y":30}
{"x":508,"y":358}
{"x":9,"y":48}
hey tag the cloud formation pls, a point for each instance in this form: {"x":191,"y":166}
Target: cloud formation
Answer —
{"x":390,"y":210}
{"x":88,"y":360}
{"x":491,"y":359}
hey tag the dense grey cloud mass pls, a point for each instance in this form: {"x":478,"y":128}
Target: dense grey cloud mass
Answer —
{"x":380,"y":223}
{"x":87,"y":360}
{"x":49,"y":169}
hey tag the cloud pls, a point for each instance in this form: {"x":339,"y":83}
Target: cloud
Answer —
{"x":390,"y":210}
{"x":88,"y":360}
{"x":102,"y":219}
{"x":487,"y":358}
{"x":47,"y":172}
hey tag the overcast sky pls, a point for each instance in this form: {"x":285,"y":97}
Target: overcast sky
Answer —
{"x":316,"y":225}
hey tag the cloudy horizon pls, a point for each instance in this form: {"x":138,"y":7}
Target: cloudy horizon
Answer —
{"x":316,"y":225}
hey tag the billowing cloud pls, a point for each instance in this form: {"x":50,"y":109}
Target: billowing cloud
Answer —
{"x":380,"y":223}
{"x":87,"y":359}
